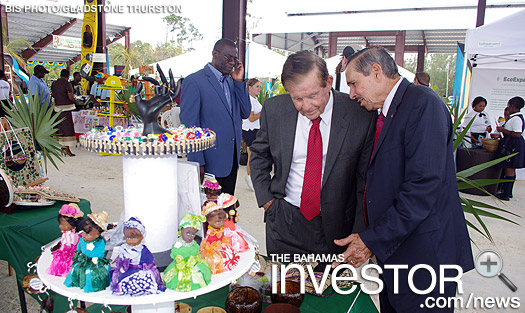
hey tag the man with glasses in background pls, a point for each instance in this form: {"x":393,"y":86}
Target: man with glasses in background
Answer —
{"x":216,"y":97}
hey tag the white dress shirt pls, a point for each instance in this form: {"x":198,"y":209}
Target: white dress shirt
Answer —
{"x":389,"y":98}
{"x":294,"y":184}
{"x":256,"y":108}
{"x":480,"y":123}
{"x":514,"y":124}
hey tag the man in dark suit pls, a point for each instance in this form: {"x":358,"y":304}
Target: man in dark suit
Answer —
{"x":216,"y":97}
{"x":318,"y":143}
{"x":412,"y":209}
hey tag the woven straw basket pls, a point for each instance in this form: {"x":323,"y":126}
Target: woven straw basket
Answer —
{"x":491,"y":145}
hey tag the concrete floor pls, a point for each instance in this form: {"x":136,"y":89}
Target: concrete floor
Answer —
{"x":99,"y":179}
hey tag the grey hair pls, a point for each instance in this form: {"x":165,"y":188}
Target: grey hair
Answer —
{"x":364,"y":59}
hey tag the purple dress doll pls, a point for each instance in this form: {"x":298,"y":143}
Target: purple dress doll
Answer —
{"x":135,"y":273}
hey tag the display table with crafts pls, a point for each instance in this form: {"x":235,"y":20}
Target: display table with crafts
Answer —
{"x":85,"y":120}
{"x":467,"y":158}
{"x":26,"y":230}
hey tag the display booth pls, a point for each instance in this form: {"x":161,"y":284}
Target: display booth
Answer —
{"x":497,"y":54}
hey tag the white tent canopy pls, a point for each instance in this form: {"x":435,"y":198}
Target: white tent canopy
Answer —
{"x":261,"y":62}
{"x":501,"y":37}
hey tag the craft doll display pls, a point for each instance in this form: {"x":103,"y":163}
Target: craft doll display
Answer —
{"x":135,"y":273}
{"x":212,"y":189}
{"x":233,"y":232}
{"x":188,"y":271}
{"x":69,"y":217}
{"x":229,"y":205}
{"x":216,"y":248}
{"x":90,"y":270}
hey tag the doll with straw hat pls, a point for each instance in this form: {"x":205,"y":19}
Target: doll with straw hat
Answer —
{"x":90,"y":270}
{"x":216,"y":248}
{"x":231,"y":230}
{"x":188,"y":271}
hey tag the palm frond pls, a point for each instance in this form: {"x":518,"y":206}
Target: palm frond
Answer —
{"x":41,"y":120}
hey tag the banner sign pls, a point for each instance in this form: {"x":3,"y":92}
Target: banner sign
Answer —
{"x":67,"y":43}
{"x":498,"y":86}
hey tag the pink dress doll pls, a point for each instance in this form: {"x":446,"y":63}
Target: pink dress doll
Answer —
{"x":216,"y":248}
{"x":233,"y":232}
{"x":69,"y":217}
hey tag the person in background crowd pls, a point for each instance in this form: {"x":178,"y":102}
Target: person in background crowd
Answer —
{"x":5,"y":92}
{"x":37,"y":84}
{"x":411,"y":202}
{"x":481,"y":124}
{"x":77,"y":86}
{"x":250,"y":126}
{"x":134,"y":81}
{"x":65,"y":103}
{"x":98,"y":93}
{"x":216,"y":97}
{"x":318,"y":143}
{"x":339,"y":83}
{"x":512,"y":142}
{"x":422,"y":78}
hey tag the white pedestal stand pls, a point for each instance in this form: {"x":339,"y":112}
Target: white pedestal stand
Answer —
{"x":150,"y":193}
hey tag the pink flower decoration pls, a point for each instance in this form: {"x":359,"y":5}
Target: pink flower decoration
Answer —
{"x":212,"y":186}
{"x":71,"y":210}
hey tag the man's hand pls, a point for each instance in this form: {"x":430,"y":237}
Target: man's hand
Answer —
{"x":267,"y":204}
{"x":357,"y":252}
{"x":238,"y":72}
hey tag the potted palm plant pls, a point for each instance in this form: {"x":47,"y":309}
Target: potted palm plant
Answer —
{"x":478,"y":209}
{"x":41,"y":120}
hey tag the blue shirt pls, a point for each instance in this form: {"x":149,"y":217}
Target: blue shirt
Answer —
{"x":223,"y":81}
{"x":39,"y":84}
{"x":99,"y":94}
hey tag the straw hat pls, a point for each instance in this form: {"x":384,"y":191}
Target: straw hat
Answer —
{"x":209,"y":207}
{"x":101,"y":219}
{"x":71,"y":210}
{"x":226,"y":200}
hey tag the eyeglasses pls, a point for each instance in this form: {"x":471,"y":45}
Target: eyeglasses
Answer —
{"x":230,"y":58}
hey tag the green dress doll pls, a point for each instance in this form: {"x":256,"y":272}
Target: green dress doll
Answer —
{"x":188,"y":271}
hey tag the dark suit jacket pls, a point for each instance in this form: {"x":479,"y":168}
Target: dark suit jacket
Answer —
{"x":351,"y":139}
{"x":412,"y":201}
{"x":203,"y":104}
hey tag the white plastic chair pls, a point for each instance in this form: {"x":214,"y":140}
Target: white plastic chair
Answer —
{"x":170,"y":118}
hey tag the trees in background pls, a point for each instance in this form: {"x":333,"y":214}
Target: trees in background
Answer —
{"x":183,"y":33}
{"x":437,"y":65}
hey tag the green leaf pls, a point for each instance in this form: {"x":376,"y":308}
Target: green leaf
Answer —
{"x":41,"y":120}
{"x":478,"y":168}
{"x":488,"y":214}
{"x":469,"y":224}
{"x":480,"y":183}
{"x":474,"y":211}
{"x":488,"y":206}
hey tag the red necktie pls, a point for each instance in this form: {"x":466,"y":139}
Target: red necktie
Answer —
{"x":379,"y":125}
{"x":311,"y":194}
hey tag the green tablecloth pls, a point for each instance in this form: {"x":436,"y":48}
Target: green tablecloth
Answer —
{"x":336,"y":303}
{"x":26,"y":230}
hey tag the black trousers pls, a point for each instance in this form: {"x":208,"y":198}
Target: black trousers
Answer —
{"x":288,"y":232}
{"x":228,"y":183}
